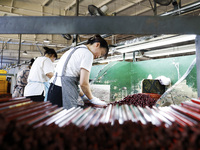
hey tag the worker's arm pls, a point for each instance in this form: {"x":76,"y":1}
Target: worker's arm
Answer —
{"x":49,"y":75}
{"x":84,"y":83}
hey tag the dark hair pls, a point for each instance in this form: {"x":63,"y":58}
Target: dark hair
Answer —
{"x":97,"y":38}
{"x":31,"y":62}
{"x":50,"y":51}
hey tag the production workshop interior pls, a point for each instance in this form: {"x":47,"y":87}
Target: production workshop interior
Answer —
{"x":147,"y":89}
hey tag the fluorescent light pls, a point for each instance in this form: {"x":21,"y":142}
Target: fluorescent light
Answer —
{"x":154,"y":53}
{"x":157,"y":43}
{"x":52,"y":45}
{"x":171,"y":51}
{"x":46,"y":41}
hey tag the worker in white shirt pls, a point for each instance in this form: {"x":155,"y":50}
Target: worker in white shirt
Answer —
{"x":73,"y":69}
{"x":22,"y":77}
{"x":40,"y":73}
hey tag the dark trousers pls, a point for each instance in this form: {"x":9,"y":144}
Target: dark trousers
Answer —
{"x":55,"y":95}
{"x":37,"y":98}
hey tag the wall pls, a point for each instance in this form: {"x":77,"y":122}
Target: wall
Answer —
{"x":131,"y":74}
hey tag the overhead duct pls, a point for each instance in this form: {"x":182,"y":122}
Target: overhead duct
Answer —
{"x":185,"y":9}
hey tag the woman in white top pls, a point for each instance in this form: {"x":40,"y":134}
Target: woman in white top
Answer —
{"x":73,"y":67}
{"x":40,"y":73}
{"x":22,"y":77}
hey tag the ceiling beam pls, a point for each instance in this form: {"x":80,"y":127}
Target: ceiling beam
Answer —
{"x":126,"y":6}
{"x":100,"y":25}
{"x":29,"y":11}
{"x":47,"y":2}
{"x":140,"y":11}
{"x":105,"y":2}
{"x":13,"y":40}
{"x":70,"y":6}
{"x":6,"y":13}
{"x":12,"y":4}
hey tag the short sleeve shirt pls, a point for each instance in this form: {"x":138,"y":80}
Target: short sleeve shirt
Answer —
{"x":37,"y":76}
{"x":81,"y":58}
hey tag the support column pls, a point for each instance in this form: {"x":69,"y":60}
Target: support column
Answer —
{"x":123,"y":56}
{"x":20,"y":43}
{"x":2,"y":55}
{"x":12,"y":5}
{"x":77,"y":14}
{"x":155,"y":8}
{"x":197,"y":42}
{"x":42,"y":10}
{"x":134,"y":60}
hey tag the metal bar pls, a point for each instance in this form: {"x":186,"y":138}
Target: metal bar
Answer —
{"x":134,"y":59}
{"x":2,"y":55}
{"x":77,"y":7}
{"x":197,"y":42}
{"x":47,"y":2}
{"x":20,"y":43}
{"x":151,"y":4}
{"x":185,"y":9}
{"x":124,"y":55}
{"x":100,"y":25}
{"x":155,"y":8}
{"x":39,"y":49}
{"x":77,"y":12}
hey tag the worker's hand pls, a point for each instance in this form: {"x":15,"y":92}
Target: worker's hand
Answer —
{"x":97,"y":101}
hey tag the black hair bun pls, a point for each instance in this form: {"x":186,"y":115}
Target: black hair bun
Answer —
{"x":46,"y":48}
{"x":31,"y":61}
{"x":50,"y":51}
{"x":97,"y":35}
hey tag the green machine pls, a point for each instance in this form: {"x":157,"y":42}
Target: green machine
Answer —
{"x":131,"y":75}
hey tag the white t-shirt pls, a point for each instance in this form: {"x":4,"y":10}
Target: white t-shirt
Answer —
{"x":37,"y":75}
{"x":81,"y":58}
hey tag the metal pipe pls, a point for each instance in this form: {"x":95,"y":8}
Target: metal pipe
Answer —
{"x":124,"y":55}
{"x":77,"y":14}
{"x":184,"y":9}
{"x":197,"y":42}
{"x":39,"y":50}
{"x":134,"y":59}
{"x":155,"y":9}
{"x":20,"y":43}
{"x":2,"y":55}
{"x":77,"y":7}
